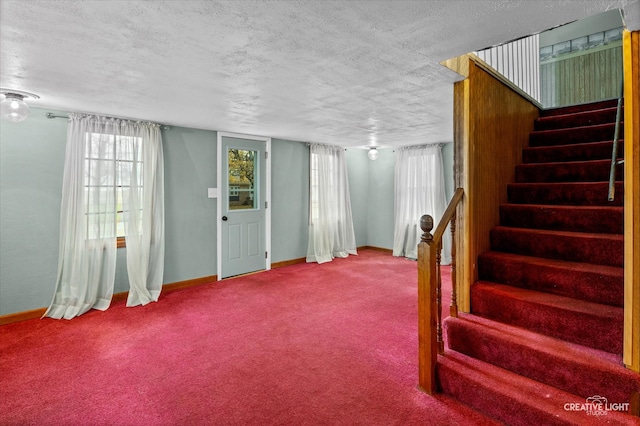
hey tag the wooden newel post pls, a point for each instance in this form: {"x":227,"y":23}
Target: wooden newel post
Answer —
{"x":427,"y":308}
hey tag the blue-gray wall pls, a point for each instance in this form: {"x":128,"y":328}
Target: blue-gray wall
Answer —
{"x":31,"y":168}
{"x":289,"y":199}
{"x":190,"y":216}
{"x":357,"y":166}
{"x":380,"y":212}
{"x":447,"y":163}
{"x":31,"y":171}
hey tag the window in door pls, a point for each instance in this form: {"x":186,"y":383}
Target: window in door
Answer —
{"x":242,"y":179}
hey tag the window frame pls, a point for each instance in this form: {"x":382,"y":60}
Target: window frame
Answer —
{"x":117,"y":161}
{"x":331,"y":165}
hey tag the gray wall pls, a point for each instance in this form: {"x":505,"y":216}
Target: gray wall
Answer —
{"x":190,"y":216}
{"x":447,"y":163}
{"x":380,"y":194}
{"x":289,"y":199}
{"x":31,"y":170}
{"x":358,"y":169}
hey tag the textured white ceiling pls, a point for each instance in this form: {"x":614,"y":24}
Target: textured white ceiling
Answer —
{"x":351,"y":73}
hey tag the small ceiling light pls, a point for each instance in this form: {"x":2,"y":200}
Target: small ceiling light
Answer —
{"x":13,"y":107}
{"x":373,"y":153}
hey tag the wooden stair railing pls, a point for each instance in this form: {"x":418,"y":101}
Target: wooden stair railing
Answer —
{"x":430,"y":293}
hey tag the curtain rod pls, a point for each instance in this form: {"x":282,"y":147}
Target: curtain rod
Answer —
{"x":325,"y":144}
{"x":51,"y":115}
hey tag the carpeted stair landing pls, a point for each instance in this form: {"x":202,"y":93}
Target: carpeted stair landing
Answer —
{"x":545,"y":332}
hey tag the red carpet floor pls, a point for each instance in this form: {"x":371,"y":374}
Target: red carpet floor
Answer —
{"x":306,"y":344}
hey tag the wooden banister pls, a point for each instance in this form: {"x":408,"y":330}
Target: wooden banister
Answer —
{"x":447,"y":216}
{"x":614,"y":151}
{"x":430,"y":339}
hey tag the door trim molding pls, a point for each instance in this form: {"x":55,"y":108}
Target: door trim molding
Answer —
{"x":267,"y":213}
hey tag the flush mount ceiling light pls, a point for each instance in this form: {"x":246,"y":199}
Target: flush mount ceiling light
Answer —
{"x":13,"y":107}
{"x":373,"y":153}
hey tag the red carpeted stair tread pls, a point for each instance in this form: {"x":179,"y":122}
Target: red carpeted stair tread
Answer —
{"x":565,"y":193}
{"x":464,"y":414}
{"x":590,"y":324}
{"x":584,"y":281}
{"x":573,"y":152}
{"x":597,"y":133}
{"x":601,"y":249}
{"x":572,"y":109}
{"x":604,"y":219}
{"x":549,"y":303}
{"x":573,"y":171}
{"x":511,"y":398}
{"x":578,"y":119}
{"x":572,"y":368}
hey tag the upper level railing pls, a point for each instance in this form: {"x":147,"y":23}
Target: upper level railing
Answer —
{"x":518,"y":61}
{"x":430,"y":339}
{"x":574,"y":71}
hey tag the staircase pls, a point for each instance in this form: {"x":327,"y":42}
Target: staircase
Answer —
{"x":545,"y":332}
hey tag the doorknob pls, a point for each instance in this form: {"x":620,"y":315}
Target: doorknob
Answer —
{"x":224,"y":218}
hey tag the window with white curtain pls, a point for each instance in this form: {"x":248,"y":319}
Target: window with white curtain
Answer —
{"x":331,"y":231}
{"x":329,"y":182}
{"x":419,"y":190}
{"x":314,"y":197}
{"x":113,"y":186}
{"x":110,"y":163}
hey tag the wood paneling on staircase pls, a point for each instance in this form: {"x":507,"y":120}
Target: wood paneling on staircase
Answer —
{"x":631,"y":49}
{"x":492,"y":124}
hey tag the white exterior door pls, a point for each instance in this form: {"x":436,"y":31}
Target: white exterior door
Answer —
{"x":242,"y":205}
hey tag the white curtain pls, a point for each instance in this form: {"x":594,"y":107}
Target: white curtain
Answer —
{"x":145,"y":219}
{"x":331,"y":231}
{"x":112,"y":186}
{"x":419,"y":190}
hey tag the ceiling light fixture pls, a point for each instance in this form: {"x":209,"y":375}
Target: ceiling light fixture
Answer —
{"x":373,"y":153}
{"x":13,"y":107}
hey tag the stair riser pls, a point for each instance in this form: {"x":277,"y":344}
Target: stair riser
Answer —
{"x":575,"y":376}
{"x":583,"y":285}
{"x":488,"y":397}
{"x":491,"y":403}
{"x":599,"y":133}
{"x":590,"y":118}
{"x":576,"y":327}
{"x":596,"y":219}
{"x":588,"y":248}
{"x":579,"y":194}
{"x":583,"y":171}
{"x":609,"y":103}
{"x":577,"y":152}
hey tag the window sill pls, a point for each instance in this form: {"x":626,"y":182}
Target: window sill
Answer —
{"x":121,"y":243}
